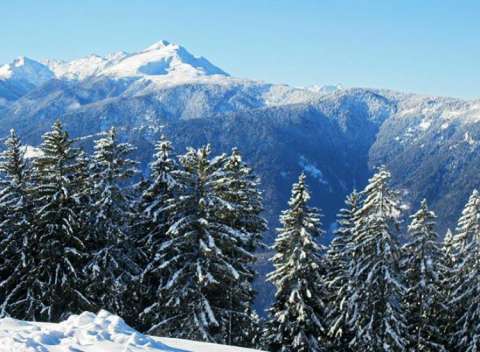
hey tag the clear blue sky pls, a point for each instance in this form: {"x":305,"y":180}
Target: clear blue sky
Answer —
{"x":421,"y":46}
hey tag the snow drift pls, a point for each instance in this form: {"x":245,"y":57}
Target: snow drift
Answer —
{"x":89,"y":332}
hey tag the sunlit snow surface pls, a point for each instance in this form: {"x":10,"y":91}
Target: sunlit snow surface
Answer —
{"x":31,"y":152}
{"x":148,"y":71}
{"x":88,"y":332}
{"x":161,"y":61}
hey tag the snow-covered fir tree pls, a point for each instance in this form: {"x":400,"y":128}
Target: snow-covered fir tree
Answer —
{"x":377,"y":316}
{"x":446,"y":272}
{"x":113,"y":259}
{"x":338,"y":276}
{"x":424,"y":299}
{"x":199,"y":269}
{"x":447,"y":249}
{"x":83,"y":190}
{"x":465,"y":303}
{"x":17,"y":244}
{"x":150,"y":226}
{"x":297,"y":318}
{"x":57,"y":285}
{"x":83,"y":184}
{"x":253,"y":334}
{"x":240,"y":188}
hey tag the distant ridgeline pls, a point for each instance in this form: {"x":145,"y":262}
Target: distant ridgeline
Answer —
{"x":174,"y":253}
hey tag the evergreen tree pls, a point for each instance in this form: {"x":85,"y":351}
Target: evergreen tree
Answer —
{"x":17,"y":245}
{"x":56,"y":284}
{"x":239,"y":187}
{"x":338,"y":276}
{"x":465,"y":304}
{"x":151,"y":226}
{"x":235,"y":208}
{"x":254,"y":332}
{"x":447,"y":249}
{"x":377,"y":316}
{"x":447,"y":277}
{"x":113,"y":261}
{"x":424,"y":295}
{"x":298,"y":312}
{"x":198,"y":269}
{"x":83,"y":190}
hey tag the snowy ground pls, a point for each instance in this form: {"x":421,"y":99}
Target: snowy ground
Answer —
{"x":88,"y":332}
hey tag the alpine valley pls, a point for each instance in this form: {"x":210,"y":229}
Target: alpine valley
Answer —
{"x":337,"y":135}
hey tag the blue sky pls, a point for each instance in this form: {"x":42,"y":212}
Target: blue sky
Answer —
{"x":426,"y":46}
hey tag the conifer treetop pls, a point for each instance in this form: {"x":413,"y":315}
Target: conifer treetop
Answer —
{"x":297,"y":315}
{"x":468,"y":228}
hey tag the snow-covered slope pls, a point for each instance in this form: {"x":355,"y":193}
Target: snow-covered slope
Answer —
{"x":84,"y":67}
{"x":148,"y":72}
{"x":162,"y":60}
{"x":88,"y":332}
{"x":325,"y":89}
{"x":26,"y":70}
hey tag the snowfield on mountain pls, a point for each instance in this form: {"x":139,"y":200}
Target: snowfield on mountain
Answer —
{"x":89,"y":332}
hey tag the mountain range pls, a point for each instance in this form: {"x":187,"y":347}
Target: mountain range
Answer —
{"x":336,"y":135}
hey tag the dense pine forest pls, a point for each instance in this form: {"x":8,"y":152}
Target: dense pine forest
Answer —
{"x":174,"y":253}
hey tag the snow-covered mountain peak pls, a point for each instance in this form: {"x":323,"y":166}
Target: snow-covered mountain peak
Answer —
{"x":20,"y":61}
{"x":163,"y":60}
{"x":158,"y":45}
{"x":26,"y":70}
